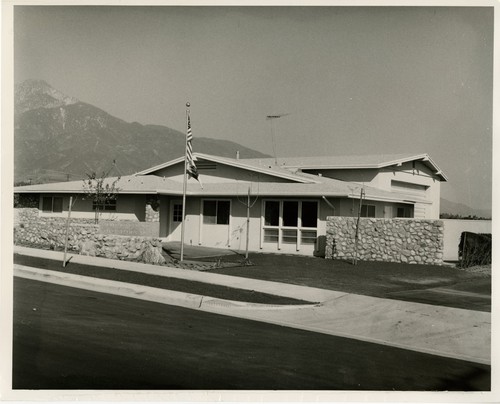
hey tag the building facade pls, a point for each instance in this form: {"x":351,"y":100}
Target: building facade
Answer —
{"x":284,"y":205}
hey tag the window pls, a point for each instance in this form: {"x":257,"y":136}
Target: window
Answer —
{"x":404,"y":211}
{"x":309,"y":214}
{"x":289,"y":236}
{"x":368,"y":211}
{"x":290,"y":213}
{"x":52,"y":204}
{"x":290,"y":222}
{"x":272,"y":213}
{"x":308,"y":236}
{"x":271,"y":235}
{"x":108,"y":204}
{"x":216,"y":212}
{"x":177,"y":212}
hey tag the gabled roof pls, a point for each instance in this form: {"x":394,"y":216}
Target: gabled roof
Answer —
{"x":375,"y":161}
{"x":268,"y":169}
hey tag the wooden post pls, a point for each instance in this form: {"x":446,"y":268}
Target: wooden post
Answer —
{"x":248,"y":223}
{"x":67,"y":231}
{"x":356,"y":236}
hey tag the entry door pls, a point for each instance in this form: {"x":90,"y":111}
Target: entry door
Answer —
{"x":175,"y":220}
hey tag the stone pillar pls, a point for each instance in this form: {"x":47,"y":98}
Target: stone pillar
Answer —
{"x":152,"y":208}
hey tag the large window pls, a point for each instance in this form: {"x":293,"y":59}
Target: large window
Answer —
{"x":216,"y":212}
{"x":52,"y":204}
{"x":290,"y":222}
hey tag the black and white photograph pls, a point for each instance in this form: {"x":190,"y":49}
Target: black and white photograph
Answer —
{"x":248,"y":198}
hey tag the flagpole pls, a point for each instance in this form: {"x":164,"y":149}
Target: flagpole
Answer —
{"x":184,"y":187}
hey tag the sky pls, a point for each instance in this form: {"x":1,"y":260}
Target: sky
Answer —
{"x":353,"y":80}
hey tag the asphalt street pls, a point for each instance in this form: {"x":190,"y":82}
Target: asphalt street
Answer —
{"x":67,"y":338}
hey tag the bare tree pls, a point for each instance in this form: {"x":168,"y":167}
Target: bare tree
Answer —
{"x":101,"y":190}
{"x":356,"y":236}
{"x":248,"y":203}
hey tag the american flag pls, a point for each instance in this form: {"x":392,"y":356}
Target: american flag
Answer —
{"x":191,"y":166}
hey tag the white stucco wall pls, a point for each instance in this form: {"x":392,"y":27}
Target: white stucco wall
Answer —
{"x":418,"y":174}
{"x":453,"y":228}
{"x":234,"y":235}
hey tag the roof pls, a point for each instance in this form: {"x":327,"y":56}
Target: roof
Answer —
{"x":301,"y":184}
{"x":130,"y":184}
{"x":269,"y":169}
{"x":375,"y":161}
{"x":152,"y":184}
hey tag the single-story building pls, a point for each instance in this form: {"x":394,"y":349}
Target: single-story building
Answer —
{"x":289,"y":199}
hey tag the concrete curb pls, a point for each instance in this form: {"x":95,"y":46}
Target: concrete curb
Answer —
{"x":148,"y":293}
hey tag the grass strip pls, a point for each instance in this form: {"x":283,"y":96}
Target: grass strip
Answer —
{"x":156,"y":281}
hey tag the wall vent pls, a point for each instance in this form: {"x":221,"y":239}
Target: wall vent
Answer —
{"x":205,"y":165}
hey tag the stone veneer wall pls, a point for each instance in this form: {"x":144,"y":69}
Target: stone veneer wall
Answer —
{"x":152,"y":209}
{"x":84,"y":237}
{"x":411,"y":241}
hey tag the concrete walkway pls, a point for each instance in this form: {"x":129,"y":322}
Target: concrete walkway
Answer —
{"x":438,"y":330}
{"x":196,"y":252}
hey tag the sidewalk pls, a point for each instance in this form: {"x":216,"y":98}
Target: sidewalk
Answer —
{"x":438,"y":330}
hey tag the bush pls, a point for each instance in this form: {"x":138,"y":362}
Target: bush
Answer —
{"x":474,"y":249}
{"x":26,"y":200}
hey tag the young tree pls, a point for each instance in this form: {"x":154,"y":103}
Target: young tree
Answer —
{"x":101,"y":190}
{"x":248,"y":204}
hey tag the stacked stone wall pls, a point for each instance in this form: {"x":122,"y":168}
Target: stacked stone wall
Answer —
{"x":83,"y":237}
{"x":392,"y":240}
{"x":152,"y":209}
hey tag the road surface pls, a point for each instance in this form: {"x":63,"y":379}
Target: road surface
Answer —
{"x":68,"y":338}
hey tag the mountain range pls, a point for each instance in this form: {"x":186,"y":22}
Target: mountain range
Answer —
{"x":463,"y":210}
{"x":57,"y":137}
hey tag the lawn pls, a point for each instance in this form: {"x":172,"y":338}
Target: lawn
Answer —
{"x":431,"y":284}
{"x":380,"y":279}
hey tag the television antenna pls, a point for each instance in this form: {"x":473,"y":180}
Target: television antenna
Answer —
{"x":272,"y":118}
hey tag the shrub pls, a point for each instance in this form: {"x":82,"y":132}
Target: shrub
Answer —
{"x":474,"y":249}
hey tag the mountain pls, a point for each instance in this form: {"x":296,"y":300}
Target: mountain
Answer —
{"x":460,"y":209}
{"x":57,"y":137}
